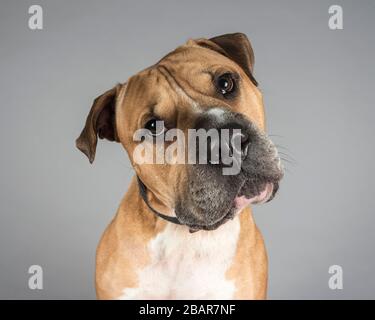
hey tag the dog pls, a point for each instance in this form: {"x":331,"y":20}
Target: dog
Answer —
{"x":186,"y":231}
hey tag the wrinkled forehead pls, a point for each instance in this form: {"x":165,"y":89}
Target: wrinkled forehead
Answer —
{"x":150,"y":92}
{"x":181,"y":84}
{"x":193,"y":59}
{"x":149,"y":89}
{"x":185,"y":73}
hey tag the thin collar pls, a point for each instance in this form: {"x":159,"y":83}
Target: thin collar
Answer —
{"x":143,"y":192}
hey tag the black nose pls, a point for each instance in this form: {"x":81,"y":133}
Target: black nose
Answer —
{"x":227,"y":140}
{"x":236,"y":145}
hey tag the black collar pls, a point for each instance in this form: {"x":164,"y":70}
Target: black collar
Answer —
{"x":143,"y":192}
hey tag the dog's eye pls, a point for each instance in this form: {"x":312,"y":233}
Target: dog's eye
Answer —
{"x":155,"y":126}
{"x":225,"y":83}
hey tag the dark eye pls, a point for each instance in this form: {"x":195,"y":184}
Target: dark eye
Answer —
{"x":225,"y":83}
{"x":155,"y":126}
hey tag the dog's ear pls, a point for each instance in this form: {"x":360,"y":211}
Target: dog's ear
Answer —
{"x":235,"y":46}
{"x":100,"y":122}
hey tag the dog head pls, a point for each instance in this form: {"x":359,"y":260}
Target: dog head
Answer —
{"x":204,"y":84}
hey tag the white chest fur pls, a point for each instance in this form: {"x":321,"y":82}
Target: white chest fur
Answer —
{"x":188,"y":266}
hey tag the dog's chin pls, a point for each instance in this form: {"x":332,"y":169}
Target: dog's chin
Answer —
{"x":238,"y":204}
{"x":266,"y":194}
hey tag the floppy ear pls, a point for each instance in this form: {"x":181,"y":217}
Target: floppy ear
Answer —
{"x":235,"y":46}
{"x":100,"y":122}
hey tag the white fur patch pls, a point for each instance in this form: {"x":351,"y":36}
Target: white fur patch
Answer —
{"x":188,"y":265}
{"x":217,"y":113}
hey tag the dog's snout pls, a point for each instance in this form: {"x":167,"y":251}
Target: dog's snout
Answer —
{"x":237,"y":144}
{"x":244,"y":141}
{"x":226,"y":136}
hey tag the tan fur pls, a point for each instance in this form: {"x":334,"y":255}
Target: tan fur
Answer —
{"x":122,"y":250}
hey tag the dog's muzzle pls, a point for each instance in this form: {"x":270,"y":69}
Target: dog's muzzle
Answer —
{"x":213,"y":196}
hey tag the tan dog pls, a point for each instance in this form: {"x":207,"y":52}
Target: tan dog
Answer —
{"x":211,"y":248}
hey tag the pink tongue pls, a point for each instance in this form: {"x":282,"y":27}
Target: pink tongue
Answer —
{"x":241,"y":202}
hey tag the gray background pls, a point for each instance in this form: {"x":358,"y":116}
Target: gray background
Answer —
{"x":318,"y":86}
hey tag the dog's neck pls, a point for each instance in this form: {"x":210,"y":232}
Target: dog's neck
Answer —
{"x":143,"y":191}
{"x":173,"y":254}
{"x":134,"y":198}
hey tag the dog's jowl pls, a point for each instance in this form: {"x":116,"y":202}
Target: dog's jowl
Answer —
{"x":185,"y":230}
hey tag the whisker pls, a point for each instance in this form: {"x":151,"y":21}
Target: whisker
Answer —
{"x":289,"y":157}
{"x":288,"y":161}
{"x":276,"y":135}
{"x":278,"y":146}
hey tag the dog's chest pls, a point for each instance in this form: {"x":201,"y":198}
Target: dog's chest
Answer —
{"x":188,"y":266}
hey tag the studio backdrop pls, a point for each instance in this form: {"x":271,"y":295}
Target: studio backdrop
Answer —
{"x":316,"y":72}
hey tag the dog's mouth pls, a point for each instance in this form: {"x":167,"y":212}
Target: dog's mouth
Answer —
{"x":243,"y":199}
{"x":265,"y":194}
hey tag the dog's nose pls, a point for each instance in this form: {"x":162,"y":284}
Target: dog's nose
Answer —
{"x":243,"y":144}
{"x":236,"y":144}
{"x":227,"y":137}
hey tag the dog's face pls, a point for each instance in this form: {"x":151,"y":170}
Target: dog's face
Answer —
{"x":203,"y":84}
